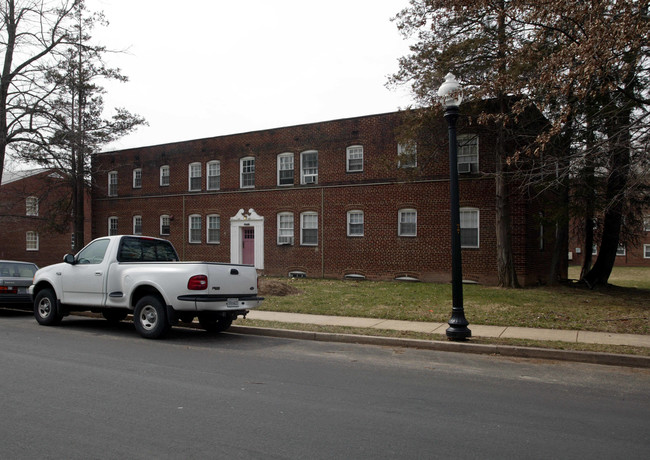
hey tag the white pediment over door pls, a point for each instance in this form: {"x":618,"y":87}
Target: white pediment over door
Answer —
{"x":240,"y":221}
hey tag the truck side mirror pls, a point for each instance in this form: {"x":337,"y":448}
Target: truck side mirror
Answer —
{"x":69,"y":259}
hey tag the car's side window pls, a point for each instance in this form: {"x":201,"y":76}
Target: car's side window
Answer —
{"x":93,"y":253}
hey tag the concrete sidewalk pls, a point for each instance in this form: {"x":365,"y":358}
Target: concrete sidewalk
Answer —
{"x":552,"y":335}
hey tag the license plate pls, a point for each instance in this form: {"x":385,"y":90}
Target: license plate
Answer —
{"x":232,"y":303}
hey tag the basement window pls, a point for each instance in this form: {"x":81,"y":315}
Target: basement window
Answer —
{"x":407,"y":278}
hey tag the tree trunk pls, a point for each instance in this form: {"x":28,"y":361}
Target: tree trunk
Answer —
{"x":560,"y":247}
{"x":4,"y":139}
{"x":79,"y":153}
{"x":5,"y":81}
{"x":619,"y":138}
{"x":602,"y":269}
{"x":79,"y":212}
{"x":506,"y":274}
{"x":590,"y":198}
{"x":587,"y":249}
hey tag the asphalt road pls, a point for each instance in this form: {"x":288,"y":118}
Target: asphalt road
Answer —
{"x":90,"y":390}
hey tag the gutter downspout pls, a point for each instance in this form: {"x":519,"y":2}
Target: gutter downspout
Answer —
{"x":322,"y":213}
{"x":183,"y":227}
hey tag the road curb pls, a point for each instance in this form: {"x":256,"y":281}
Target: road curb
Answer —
{"x":609,"y":359}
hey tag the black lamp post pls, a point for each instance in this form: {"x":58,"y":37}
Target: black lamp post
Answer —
{"x":449,"y":92}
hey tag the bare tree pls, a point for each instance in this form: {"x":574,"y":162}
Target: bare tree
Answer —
{"x":31,"y":32}
{"x":77,"y":127}
{"x":584,"y":65}
{"x":474,"y":39}
{"x":591,"y":75}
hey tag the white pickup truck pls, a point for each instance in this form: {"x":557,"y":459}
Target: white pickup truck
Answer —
{"x":118,"y":275}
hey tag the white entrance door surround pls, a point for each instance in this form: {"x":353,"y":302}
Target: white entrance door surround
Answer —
{"x":243,"y":220}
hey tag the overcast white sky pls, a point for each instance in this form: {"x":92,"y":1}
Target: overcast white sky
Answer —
{"x":203,"y":68}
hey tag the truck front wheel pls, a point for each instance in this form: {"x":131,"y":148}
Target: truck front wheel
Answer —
{"x":46,"y":308}
{"x":150,"y":318}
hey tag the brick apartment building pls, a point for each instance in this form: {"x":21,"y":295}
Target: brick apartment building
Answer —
{"x":344,"y":198}
{"x":636,"y":254}
{"x":31,"y":228}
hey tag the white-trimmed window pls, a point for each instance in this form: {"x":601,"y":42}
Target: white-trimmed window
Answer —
{"x":214,"y":228}
{"x":620,"y":250}
{"x":407,"y":155}
{"x":309,"y":167}
{"x":31,"y":206}
{"x":408,"y":222}
{"x":112,"y":183}
{"x":285,"y":169}
{"x":646,"y":223}
{"x":594,"y":250}
{"x":646,"y":251}
{"x":469,"y":228}
{"x":112,"y":226}
{"x":285,"y":228}
{"x":194,"y":177}
{"x":213,"y":169}
{"x":137,"y":178}
{"x":137,"y":225}
{"x":467,"y":153}
{"x":355,"y":223}
{"x":354,"y":158}
{"x":309,"y":229}
{"x":31,"y":241}
{"x":165,"y":224}
{"x":247,"y":169}
{"x":164,"y":176}
{"x":195,"y":228}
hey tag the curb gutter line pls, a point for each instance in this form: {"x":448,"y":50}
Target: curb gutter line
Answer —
{"x":609,"y":359}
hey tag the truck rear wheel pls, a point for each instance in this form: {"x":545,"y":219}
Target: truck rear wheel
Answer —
{"x":150,"y":318}
{"x":46,"y":308}
{"x":213,"y":323}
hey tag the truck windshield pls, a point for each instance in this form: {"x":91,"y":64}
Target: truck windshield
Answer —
{"x":145,"y":250}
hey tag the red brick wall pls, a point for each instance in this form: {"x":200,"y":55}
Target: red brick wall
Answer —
{"x":54,"y":242}
{"x":379,"y":191}
{"x":634,"y":253}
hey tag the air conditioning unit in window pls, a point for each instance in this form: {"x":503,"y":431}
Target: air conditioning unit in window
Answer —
{"x":464,"y":168}
{"x":310,"y":179}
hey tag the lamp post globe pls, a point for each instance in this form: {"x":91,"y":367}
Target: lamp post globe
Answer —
{"x":450,"y":91}
{"x":451,"y":97}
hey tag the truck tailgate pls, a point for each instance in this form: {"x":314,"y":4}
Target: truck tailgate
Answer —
{"x":225,"y":279}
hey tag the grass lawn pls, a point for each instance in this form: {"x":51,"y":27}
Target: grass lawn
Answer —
{"x":622,"y":307}
{"x":635,"y":277}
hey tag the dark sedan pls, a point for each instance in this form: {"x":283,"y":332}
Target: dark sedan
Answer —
{"x":15,"y":278}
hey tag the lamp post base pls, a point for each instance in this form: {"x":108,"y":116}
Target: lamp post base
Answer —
{"x":458,"y":333}
{"x":458,"y":329}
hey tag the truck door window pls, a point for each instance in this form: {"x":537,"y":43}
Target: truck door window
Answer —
{"x":93,"y":253}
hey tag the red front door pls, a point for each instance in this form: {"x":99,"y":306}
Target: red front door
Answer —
{"x":248,"y":246}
